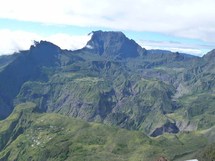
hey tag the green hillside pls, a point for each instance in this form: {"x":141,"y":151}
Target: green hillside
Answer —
{"x":28,"y":135}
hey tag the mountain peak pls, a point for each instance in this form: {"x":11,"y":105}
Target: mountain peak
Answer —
{"x":111,"y":43}
{"x":44,"y":52}
{"x":108,"y":34}
{"x":44,"y":45}
{"x":44,"y":48}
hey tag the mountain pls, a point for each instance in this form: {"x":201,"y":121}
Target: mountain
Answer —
{"x":98,"y":86}
{"x":113,"y":44}
{"x":114,"y":81}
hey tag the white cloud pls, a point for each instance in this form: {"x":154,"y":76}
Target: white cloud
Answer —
{"x":187,"y":18}
{"x":194,"y":49}
{"x":13,"y":41}
{"x":68,"y":41}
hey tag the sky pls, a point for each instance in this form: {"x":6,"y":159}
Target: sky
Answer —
{"x":186,"y":26}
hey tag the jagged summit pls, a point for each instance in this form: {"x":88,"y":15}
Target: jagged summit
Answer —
{"x":44,"y":47}
{"x":116,"y":44}
{"x":43,"y":43}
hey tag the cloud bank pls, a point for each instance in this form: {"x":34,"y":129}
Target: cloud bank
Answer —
{"x":190,"y":19}
{"x":13,"y":41}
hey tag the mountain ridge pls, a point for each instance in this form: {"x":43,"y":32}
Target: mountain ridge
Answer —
{"x":47,"y":60}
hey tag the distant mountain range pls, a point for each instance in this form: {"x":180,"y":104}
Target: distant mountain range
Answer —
{"x":167,"y":98}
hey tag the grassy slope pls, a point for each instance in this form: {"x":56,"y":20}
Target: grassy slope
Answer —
{"x":57,"y":137}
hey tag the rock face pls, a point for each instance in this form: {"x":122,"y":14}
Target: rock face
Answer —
{"x":113,"y":44}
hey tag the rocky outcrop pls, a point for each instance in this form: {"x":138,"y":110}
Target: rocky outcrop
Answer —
{"x":166,"y":128}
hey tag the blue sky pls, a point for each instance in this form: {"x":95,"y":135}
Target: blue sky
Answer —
{"x":184,"y":26}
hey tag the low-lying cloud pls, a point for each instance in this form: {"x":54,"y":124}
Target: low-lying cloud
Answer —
{"x":194,"y":49}
{"x":13,"y":41}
